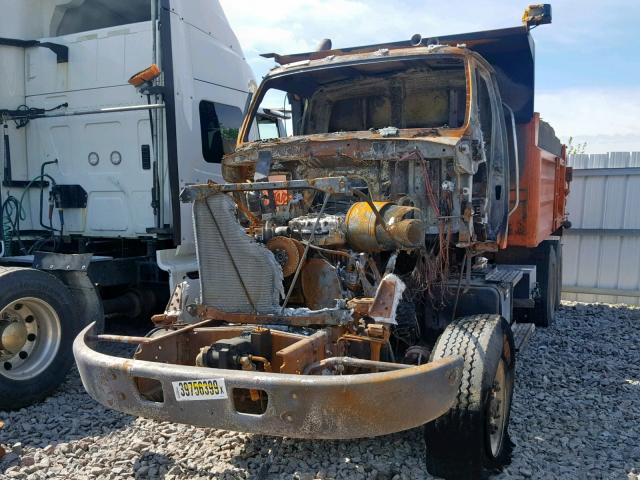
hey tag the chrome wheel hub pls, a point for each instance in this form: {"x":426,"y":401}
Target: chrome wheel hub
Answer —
{"x":13,"y":336}
{"x":497,"y":410}
{"x":30,"y":334}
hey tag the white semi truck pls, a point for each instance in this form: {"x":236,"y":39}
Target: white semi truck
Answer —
{"x":93,"y":161}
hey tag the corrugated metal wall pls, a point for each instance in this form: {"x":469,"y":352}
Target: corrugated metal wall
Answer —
{"x":601,"y":252}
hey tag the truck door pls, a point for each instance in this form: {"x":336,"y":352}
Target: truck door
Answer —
{"x":494,"y":173}
{"x":97,"y":155}
{"x":209,"y":82}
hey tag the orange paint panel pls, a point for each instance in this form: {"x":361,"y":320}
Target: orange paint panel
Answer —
{"x":281,"y":197}
{"x":543,"y":193}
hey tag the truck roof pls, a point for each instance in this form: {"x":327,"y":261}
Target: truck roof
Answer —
{"x":510,"y":51}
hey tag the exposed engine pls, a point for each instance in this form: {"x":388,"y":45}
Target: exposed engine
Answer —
{"x":300,"y":252}
{"x":365,"y":226}
{"x":344,"y":246}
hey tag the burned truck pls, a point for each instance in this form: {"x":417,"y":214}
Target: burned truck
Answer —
{"x":375,"y":271}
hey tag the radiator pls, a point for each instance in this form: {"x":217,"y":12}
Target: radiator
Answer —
{"x":255,"y":266}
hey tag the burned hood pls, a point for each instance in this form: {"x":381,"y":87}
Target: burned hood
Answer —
{"x":331,"y":150}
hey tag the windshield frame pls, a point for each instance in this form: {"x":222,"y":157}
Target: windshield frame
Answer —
{"x":265,"y":86}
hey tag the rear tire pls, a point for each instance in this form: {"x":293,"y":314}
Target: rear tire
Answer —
{"x":37,"y":328}
{"x":473,"y":435}
{"x":558,"y":248}
{"x":545,"y":310}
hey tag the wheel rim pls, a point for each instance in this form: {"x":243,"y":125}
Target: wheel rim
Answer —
{"x":30,"y":334}
{"x":497,"y":410}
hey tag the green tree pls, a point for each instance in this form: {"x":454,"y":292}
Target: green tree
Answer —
{"x":575,"y":148}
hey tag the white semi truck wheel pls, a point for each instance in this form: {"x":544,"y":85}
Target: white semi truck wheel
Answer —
{"x":37,"y":328}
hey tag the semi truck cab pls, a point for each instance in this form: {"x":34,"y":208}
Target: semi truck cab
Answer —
{"x":107,"y":110}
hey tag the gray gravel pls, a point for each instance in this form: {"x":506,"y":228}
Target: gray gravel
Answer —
{"x":576,"y":414}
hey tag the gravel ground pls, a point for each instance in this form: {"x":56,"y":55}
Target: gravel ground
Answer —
{"x":576,"y":414}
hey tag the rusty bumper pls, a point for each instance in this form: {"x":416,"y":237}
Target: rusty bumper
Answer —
{"x":302,"y":406}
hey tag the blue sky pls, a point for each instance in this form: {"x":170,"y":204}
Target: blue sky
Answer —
{"x":587,"y":60}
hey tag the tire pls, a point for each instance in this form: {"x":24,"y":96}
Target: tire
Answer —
{"x":545,"y":309}
{"x":558,"y":248}
{"x":473,"y":436}
{"x":37,"y":329}
{"x":151,"y":389}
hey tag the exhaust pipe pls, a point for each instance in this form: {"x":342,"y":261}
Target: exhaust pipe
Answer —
{"x":324,"y":45}
{"x":132,"y":304}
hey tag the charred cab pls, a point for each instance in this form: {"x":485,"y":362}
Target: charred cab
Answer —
{"x":351,"y":272}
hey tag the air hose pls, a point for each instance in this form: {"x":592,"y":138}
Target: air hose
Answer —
{"x":13,"y":213}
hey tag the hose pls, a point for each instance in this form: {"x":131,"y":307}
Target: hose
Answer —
{"x":23,"y":114}
{"x":10,"y":224}
{"x":6,"y":155}
{"x":42,"y":175}
{"x":13,"y":213}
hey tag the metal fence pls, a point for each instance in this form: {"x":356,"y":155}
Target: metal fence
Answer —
{"x":601,"y":252}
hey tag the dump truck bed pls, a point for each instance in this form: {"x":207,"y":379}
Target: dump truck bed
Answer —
{"x":543,"y":185}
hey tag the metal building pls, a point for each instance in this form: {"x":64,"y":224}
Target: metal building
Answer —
{"x":601,"y":252}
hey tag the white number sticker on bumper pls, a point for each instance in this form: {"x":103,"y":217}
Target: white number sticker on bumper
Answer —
{"x":206,"y":389}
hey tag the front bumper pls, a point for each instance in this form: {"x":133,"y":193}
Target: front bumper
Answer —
{"x":301,"y":406}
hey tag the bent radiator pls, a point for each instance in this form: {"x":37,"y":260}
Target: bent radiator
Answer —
{"x":236,"y":273}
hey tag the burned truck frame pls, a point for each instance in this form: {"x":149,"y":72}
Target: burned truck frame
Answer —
{"x":367,"y":274}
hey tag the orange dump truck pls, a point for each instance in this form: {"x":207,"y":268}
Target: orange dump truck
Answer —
{"x":372,"y":264}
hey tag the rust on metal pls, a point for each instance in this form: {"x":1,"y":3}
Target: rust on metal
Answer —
{"x":360,"y":305}
{"x":288,"y":253}
{"x":375,"y":343}
{"x":299,"y":406}
{"x":353,"y":362}
{"x":164,"y":319}
{"x":266,"y":364}
{"x":309,"y":318}
{"x":389,"y":184}
{"x":320,"y":284}
{"x":383,"y":303}
{"x":297,"y":356}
